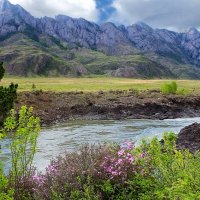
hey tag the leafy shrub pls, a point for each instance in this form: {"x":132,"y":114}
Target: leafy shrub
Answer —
{"x":70,"y":175}
{"x":119,"y":165}
{"x":175,"y":172}
{"x":155,"y":170}
{"x":5,"y":193}
{"x":22,"y":132}
{"x":101,"y":172}
{"x":169,"y":88}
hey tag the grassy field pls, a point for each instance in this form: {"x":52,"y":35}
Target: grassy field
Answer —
{"x":61,"y":84}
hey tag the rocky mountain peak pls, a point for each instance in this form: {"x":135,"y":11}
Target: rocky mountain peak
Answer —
{"x":192,"y":31}
{"x":192,"y":34}
{"x":143,"y":26}
{"x":108,"y":38}
{"x":5,"y":6}
{"x":108,"y":25}
{"x":62,"y":18}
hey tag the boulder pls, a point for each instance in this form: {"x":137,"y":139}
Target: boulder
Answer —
{"x":189,"y":137}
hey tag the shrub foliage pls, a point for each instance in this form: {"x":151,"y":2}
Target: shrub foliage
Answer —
{"x":22,"y":132}
{"x":169,"y":88}
{"x":153,"y":170}
{"x":5,"y":193}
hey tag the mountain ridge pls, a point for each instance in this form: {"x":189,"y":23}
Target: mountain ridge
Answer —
{"x":71,"y":36}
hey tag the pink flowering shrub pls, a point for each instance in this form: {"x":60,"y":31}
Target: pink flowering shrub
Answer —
{"x":24,"y":187}
{"x":153,"y":170}
{"x":119,"y":164}
{"x":94,"y":172}
{"x":71,"y":173}
{"x":84,"y":173}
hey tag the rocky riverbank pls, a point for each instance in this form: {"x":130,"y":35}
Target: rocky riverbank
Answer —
{"x":57,"y":107}
{"x":189,"y":137}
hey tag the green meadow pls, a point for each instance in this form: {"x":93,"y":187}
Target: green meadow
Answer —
{"x":62,"y":84}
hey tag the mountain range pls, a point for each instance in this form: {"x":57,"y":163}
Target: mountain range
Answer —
{"x":73,"y":47}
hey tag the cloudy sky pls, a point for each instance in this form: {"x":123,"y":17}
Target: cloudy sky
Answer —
{"x":172,"y":14}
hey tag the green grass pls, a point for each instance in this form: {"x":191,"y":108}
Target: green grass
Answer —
{"x":61,"y":84}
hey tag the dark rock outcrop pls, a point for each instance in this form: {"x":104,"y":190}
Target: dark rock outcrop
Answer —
{"x":189,"y":137}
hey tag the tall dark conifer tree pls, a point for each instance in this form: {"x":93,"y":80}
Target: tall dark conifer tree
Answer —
{"x":2,"y":70}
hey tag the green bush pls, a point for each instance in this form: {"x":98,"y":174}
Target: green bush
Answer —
{"x":169,"y":88}
{"x":22,"y":131}
{"x":5,"y":193}
{"x":176,"y":173}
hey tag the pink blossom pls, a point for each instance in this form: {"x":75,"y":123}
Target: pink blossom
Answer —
{"x":131,"y":159}
{"x":121,"y":152}
{"x":130,"y":145}
{"x":129,"y":155}
{"x":120,"y":161}
{"x":142,"y":155}
{"x":39,"y":179}
{"x":114,"y":173}
{"x":121,"y":164}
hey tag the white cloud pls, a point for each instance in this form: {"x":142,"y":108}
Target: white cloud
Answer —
{"x":174,"y":14}
{"x":73,"y":8}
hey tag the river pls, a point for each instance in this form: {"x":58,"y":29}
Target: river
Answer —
{"x":71,"y":135}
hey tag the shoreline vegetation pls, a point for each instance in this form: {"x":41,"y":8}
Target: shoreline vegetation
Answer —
{"x":154,"y":170}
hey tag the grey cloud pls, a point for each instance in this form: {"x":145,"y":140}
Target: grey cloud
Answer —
{"x":74,"y":8}
{"x":173,"y":14}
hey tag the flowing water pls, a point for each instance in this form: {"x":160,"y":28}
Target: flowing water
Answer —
{"x":71,"y":135}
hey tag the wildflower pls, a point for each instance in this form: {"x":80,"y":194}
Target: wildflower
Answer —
{"x":39,"y":179}
{"x":130,"y":158}
{"x":119,"y":161}
{"x":114,"y":173}
{"x":130,"y":145}
{"x":121,"y":152}
{"x":142,"y":155}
